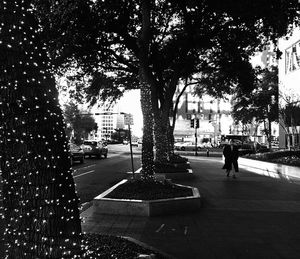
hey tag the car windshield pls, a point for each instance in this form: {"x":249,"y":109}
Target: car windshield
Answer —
{"x":91,"y":143}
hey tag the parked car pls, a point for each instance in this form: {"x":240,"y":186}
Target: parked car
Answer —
{"x":76,"y":153}
{"x":186,"y":146}
{"x":135,"y":143}
{"x":95,"y":148}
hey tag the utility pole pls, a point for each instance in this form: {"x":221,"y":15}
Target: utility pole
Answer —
{"x":128,"y":120}
{"x":196,"y":135}
{"x":195,"y":124}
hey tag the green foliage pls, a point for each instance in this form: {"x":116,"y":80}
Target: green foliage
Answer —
{"x":262,"y":103}
{"x":214,"y":38}
{"x":291,"y":114}
{"x":81,"y":124}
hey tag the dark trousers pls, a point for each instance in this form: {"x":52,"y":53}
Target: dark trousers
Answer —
{"x":235,"y":165}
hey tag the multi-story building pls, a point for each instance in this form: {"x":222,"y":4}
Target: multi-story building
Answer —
{"x":289,"y":88}
{"x":108,"y":118}
{"x":213,"y":115}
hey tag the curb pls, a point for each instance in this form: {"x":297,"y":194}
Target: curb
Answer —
{"x":84,"y":206}
{"x":147,"y":208}
{"x":148,"y":247}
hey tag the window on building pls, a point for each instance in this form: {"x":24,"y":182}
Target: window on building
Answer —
{"x":292,"y":57}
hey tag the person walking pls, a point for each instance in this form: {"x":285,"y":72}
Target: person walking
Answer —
{"x":228,"y":160}
{"x":235,"y":157}
{"x":231,"y":155}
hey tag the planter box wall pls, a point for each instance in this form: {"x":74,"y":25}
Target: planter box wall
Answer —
{"x":146,"y":208}
{"x":268,"y":168}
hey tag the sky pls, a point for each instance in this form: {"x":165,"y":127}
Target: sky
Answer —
{"x":130,"y":103}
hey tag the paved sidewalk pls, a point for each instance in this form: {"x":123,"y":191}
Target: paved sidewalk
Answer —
{"x":252,"y":216}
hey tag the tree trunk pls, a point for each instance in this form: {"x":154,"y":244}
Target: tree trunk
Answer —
{"x":40,"y":204}
{"x":170,"y":139}
{"x":146,"y":91}
{"x":161,"y":122}
{"x":147,"y":147}
{"x":270,"y":134}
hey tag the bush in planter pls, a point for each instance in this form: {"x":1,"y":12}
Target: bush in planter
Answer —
{"x":176,"y":159}
{"x":276,"y":154}
{"x":168,"y":168}
{"x":287,"y":157}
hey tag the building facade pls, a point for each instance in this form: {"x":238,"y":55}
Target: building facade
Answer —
{"x":289,"y":90}
{"x":213,"y":116}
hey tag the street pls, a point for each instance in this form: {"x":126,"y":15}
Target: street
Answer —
{"x":97,"y":175}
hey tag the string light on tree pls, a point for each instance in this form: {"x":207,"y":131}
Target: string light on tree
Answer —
{"x":40,"y":206}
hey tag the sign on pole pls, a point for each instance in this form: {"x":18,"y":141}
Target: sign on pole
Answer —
{"x":128,"y":119}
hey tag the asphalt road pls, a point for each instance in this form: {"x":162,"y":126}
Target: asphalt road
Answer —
{"x":97,"y":175}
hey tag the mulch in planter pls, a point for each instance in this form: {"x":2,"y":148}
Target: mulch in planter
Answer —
{"x":149,"y":190}
{"x":105,"y":246}
{"x":171,"y":167}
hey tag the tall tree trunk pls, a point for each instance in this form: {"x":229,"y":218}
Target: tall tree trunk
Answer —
{"x":147,"y":147}
{"x":146,"y":91}
{"x":161,"y":124}
{"x":170,"y":139}
{"x":40,"y":204}
{"x":171,"y":128}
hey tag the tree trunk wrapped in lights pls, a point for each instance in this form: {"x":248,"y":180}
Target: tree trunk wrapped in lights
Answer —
{"x":161,"y":138}
{"x":147,"y":147}
{"x":170,"y":139}
{"x":40,"y":204}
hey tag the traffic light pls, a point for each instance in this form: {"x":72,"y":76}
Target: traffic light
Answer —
{"x":192,"y":123}
{"x":197,"y":123}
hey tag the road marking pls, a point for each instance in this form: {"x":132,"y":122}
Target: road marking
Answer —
{"x":185,"y":230}
{"x":160,"y":228}
{"x":84,"y":173}
{"x":85,"y":167}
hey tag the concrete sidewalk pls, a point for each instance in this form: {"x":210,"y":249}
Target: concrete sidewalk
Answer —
{"x":253,"y":216}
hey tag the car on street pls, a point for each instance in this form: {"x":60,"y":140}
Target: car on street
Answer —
{"x":186,"y":146}
{"x":95,"y":148}
{"x":134,"y":143}
{"x":76,"y":153}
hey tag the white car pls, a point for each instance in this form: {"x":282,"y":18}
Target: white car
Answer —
{"x":186,"y":146}
{"x":134,"y":143}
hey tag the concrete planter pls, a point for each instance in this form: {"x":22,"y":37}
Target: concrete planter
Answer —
{"x":146,"y":207}
{"x":270,"y":169}
{"x":179,"y":175}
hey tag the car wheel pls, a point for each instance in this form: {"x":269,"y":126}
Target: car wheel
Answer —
{"x":198,"y":148}
{"x":182,"y":148}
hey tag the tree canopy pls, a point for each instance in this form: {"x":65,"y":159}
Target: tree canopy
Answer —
{"x":183,"y":38}
{"x":262,"y":103}
{"x":81,"y":123}
{"x":153,"y":44}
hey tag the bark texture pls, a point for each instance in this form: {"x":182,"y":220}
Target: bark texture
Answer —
{"x":40,"y":204}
